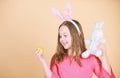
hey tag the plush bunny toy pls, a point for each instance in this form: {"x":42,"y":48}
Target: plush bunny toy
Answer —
{"x":96,"y":39}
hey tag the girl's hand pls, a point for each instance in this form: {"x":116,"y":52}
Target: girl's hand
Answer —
{"x":39,"y":54}
{"x":103,"y":58}
{"x":102,"y":47}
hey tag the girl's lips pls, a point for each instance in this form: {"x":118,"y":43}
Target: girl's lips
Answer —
{"x":64,"y":44}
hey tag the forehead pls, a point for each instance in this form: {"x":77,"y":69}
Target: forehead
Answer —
{"x":64,"y":29}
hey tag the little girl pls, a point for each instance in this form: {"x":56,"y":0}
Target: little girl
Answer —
{"x":67,"y":61}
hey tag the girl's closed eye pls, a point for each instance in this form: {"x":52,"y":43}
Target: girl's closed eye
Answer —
{"x":65,"y":35}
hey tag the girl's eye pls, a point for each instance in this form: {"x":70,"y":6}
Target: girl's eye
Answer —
{"x":65,"y":35}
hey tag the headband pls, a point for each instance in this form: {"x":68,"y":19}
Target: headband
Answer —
{"x":67,"y":15}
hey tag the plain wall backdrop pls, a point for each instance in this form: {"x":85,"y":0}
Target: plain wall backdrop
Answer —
{"x":27,"y":24}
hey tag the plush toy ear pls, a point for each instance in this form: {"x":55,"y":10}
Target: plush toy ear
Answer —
{"x":87,"y":42}
{"x":99,"y":24}
{"x":86,"y":54}
{"x":79,"y":33}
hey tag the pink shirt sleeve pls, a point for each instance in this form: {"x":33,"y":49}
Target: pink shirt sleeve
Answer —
{"x":55,"y":73}
{"x":99,"y":70}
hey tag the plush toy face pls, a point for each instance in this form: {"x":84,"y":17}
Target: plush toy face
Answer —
{"x":97,"y":34}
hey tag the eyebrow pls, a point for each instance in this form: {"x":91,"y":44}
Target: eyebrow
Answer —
{"x":64,"y":33}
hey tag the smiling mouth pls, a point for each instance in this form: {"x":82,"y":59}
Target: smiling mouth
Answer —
{"x":64,"y":44}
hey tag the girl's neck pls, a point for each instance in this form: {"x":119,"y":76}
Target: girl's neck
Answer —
{"x":70,"y":53}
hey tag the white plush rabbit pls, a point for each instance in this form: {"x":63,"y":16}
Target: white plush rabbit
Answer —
{"x":96,"y":39}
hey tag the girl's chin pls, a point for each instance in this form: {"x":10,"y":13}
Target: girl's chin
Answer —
{"x":66,"y":47}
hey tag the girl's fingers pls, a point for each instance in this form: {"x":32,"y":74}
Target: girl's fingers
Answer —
{"x":38,"y":53}
{"x":102,"y":47}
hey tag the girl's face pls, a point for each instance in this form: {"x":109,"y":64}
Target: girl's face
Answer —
{"x":65,"y":37}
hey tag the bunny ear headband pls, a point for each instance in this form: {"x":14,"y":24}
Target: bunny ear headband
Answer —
{"x":67,"y":15}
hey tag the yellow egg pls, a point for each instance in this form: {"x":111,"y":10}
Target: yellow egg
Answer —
{"x":40,"y":49}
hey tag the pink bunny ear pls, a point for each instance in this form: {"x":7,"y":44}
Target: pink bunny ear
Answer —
{"x":57,"y":14}
{"x":67,"y":11}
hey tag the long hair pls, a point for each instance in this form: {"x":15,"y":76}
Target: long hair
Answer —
{"x":78,"y":44}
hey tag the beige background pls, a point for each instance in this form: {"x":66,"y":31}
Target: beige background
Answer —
{"x":26,"y":24}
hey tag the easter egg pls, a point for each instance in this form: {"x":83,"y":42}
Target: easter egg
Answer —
{"x":40,"y":49}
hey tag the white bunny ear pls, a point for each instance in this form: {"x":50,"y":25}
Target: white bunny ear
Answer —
{"x":67,"y":11}
{"x":99,"y":24}
{"x":57,"y":14}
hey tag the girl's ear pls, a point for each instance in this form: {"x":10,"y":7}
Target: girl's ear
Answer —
{"x":79,"y":33}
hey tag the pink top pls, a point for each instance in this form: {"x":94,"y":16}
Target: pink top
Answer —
{"x":90,"y":65}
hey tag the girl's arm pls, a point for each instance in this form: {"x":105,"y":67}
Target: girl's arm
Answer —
{"x":101,"y":65}
{"x":46,"y":69}
{"x":103,"y":58}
